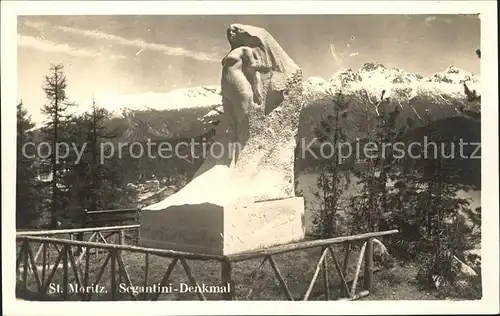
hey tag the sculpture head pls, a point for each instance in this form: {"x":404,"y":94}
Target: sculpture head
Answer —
{"x":269,"y":50}
{"x":245,"y":35}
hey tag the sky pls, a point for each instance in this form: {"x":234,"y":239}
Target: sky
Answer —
{"x":106,"y":56}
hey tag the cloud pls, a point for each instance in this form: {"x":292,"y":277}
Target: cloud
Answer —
{"x":41,"y":44}
{"x":140,"y":44}
{"x":429,"y":20}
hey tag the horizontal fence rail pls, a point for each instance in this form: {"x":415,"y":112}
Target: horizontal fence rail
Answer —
{"x":124,"y":210}
{"x":73,"y":260}
{"x":76,"y":231}
{"x":306,"y":244}
{"x":107,"y":246}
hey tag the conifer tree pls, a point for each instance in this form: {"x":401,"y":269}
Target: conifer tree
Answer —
{"x":95,"y":182}
{"x":28,"y":193}
{"x":333,"y":174}
{"x":55,"y":109}
{"x":443,"y":233}
{"x":372,"y":207}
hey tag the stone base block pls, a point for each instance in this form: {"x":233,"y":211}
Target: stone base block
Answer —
{"x":223,"y":230}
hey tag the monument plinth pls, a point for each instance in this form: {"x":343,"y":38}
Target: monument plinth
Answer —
{"x":242,"y":197}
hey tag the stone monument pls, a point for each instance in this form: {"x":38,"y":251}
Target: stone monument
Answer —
{"x":242,"y":198}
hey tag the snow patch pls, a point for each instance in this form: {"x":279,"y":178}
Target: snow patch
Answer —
{"x":205,"y":96}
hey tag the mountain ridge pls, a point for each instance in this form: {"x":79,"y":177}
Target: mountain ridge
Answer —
{"x":372,"y":77}
{"x":191,"y":112}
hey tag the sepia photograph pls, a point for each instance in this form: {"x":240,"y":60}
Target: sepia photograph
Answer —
{"x":232,"y":156}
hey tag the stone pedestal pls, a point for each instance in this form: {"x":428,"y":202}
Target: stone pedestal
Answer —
{"x":224,"y":229}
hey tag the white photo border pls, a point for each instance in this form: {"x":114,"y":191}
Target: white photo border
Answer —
{"x":490,"y":229}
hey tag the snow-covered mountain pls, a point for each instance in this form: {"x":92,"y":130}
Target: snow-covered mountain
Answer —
{"x":189,"y":112}
{"x":374,"y":83}
{"x":159,"y":115}
{"x":371,"y":79}
{"x":453,"y":75}
{"x":399,"y":85}
{"x":194,"y":97}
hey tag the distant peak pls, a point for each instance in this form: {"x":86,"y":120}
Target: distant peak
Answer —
{"x":372,"y":66}
{"x":452,"y":69}
{"x":452,"y":74}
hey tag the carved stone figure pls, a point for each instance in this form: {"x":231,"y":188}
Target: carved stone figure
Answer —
{"x":241,"y":87}
{"x":267,"y":57}
{"x":265,"y":103}
{"x":247,"y":186}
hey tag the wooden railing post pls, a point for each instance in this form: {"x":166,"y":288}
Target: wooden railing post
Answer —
{"x":25,"y":265}
{"x":121,"y":237}
{"x":325,"y":278}
{"x":368,"y":273}
{"x":44,"y":261}
{"x":146,"y":274}
{"x":121,"y":241}
{"x":227,"y":280}
{"x":114,"y":294}
{"x":65,"y":252}
{"x":86,"y":271}
{"x":345,"y":266}
{"x":81,"y":235}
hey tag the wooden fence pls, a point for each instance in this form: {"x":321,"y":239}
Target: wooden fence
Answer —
{"x":71,"y":253}
{"x":111,"y":217}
